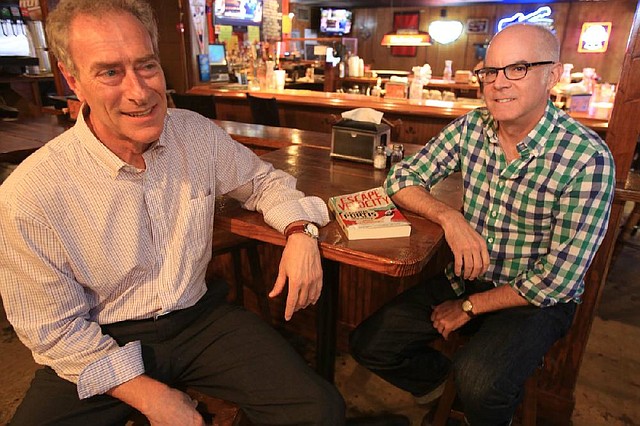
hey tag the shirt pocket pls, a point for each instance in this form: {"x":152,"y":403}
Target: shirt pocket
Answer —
{"x":197,"y":221}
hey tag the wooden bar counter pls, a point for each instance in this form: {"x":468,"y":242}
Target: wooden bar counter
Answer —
{"x":317,"y":111}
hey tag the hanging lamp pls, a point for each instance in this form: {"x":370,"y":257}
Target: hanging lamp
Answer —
{"x":406,"y":37}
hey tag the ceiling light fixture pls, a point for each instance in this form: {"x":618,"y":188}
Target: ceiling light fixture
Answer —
{"x":444,"y":31}
{"x":406,"y":37}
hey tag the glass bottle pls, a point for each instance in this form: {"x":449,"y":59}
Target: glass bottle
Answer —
{"x":415,"y":90}
{"x":397,"y":154}
{"x":566,"y":74}
{"x":380,"y":158}
{"x":447,"y":74}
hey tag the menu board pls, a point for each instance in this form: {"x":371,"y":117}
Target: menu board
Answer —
{"x":271,"y":20}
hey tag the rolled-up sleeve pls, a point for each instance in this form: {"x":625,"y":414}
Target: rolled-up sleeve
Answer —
{"x":261,"y":187}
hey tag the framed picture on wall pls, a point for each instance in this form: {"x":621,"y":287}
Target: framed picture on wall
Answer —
{"x":477,"y":26}
{"x":302,"y":13}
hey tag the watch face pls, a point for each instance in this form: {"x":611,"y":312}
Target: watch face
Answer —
{"x":467,"y":306}
{"x":311,"y":229}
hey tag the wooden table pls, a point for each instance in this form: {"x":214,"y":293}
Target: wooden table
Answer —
{"x":319,"y":175}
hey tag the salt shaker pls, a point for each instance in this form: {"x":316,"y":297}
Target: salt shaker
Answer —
{"x":380,"y":158}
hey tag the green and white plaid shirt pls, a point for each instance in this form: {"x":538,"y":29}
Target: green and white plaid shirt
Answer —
{"x":543,"y":216}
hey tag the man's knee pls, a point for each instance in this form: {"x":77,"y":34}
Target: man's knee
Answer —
{"x":485,"y":393}
{"x":367,"y":344}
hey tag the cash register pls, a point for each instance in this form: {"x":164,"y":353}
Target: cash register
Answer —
{"x":218,"y":69}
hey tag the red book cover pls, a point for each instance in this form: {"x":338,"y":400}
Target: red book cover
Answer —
{"x":369,"y":214}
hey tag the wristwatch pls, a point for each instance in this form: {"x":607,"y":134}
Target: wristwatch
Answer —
{"x":467,"y":308}
{"x":308,"y":228}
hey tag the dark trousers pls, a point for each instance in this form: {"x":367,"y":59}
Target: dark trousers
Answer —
{"x":504,"y":349}
{"x":216,"y":348}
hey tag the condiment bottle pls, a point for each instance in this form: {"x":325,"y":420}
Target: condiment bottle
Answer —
{"x":380,"y":158}
{"x":397,"y":154}
{"x":447,"y":74}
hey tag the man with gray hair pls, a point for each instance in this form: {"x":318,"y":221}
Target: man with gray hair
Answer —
{"x":537,"y":192}
{"x":106,"y":236}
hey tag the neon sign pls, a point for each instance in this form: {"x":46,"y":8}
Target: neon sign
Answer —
{"x":594,"y":37}
{"x":539,"y":17}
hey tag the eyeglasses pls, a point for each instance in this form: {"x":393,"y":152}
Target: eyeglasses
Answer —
{"x":511,"y":72}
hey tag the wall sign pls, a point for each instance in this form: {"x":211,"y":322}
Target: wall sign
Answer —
{"x":477,"y":26}
{"x":594,"y":37}
{"x":539,"y":17}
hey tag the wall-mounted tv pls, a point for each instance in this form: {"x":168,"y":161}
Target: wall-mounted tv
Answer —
{"x":237,"y":12}
{"x":335,"y":21}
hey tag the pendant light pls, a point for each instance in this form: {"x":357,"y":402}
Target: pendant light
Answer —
{"x":405,"y":37}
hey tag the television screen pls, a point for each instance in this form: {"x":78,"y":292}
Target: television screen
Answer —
{"x":238,"y":12}
{"x":335,"y":21}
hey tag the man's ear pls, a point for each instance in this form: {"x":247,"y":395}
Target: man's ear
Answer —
{"x":554,"y":75}
{"x":71,"y":81}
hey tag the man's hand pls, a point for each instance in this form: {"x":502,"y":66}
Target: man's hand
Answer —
{"x":448,"y":316}
{"x":160,"y":404}
{"x":471,"y":256}
{"x":469,"y":249}
{"x":301,"y":267}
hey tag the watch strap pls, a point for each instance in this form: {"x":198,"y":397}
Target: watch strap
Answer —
{"x":296,"y":229}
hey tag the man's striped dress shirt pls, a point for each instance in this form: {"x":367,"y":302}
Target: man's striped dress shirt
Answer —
{"x":86,"y":239}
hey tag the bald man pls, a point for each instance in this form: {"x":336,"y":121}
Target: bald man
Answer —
{"x":537,"y":193}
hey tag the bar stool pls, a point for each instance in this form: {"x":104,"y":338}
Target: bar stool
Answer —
{"x":445,"y":409}
{"x":214,"y":411}
{"x":264,"y":110}
{"x":202,"y":104}
{"x":225,"y":242}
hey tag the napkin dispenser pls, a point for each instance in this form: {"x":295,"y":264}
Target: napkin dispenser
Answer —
{"x":357,"y":140}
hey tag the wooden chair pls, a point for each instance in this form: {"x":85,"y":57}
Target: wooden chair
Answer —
{"x":228,"y":243}
{"x":214,"y":411}
{"x":264,"y":110}
{"x":446,"y":409}
{"x":202,"y":104}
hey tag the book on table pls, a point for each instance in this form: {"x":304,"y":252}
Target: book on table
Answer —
{"x":369,"y":214}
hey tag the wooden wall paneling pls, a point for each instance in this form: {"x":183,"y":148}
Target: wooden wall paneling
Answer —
{"x":171,"y":43}
{"x":568,"y":16}
{"x":607,"y":65}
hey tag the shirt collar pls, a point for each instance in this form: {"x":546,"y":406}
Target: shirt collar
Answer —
{"x":532,"y":144}
{"x":99,"y":151}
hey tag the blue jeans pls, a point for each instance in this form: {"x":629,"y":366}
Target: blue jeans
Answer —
{"x":505,"y":348}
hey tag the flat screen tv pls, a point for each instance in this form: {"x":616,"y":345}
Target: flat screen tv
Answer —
{"x":237,"y":12}
{"x":335,"y":21}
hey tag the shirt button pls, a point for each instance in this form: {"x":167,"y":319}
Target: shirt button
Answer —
{"x":490,"y":240}
{"x":494,"y":213}
{"x":500,"y":184}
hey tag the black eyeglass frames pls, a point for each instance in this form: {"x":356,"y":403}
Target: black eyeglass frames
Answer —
{"x":511,"y":72}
